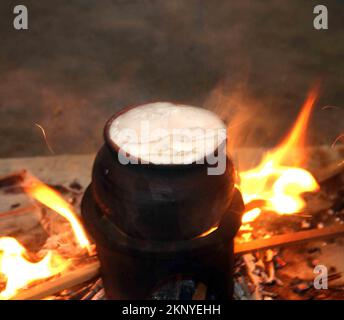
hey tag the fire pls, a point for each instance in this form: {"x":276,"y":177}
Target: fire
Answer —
{"x":15,"y":267}
{"x":19,"y":271}
{"x":50,"y":198}
{"x":251,"y":215}
{"x":279,"y":179}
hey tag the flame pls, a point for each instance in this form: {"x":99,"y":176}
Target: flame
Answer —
{"x":15,"y":267}
{"x":19,"y":271}
{"x":50,"y":198}
{"x":278,"y":179}
{"x":251,"y":215}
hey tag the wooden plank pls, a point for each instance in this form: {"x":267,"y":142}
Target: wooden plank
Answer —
{"x":289,"y":239}
{"x":65,"y":281}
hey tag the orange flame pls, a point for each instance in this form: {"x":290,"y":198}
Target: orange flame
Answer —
{"x":251,"y":215}
{"x":278,"y":179}
{"x":19,"y":271}
{"x":50,"y":198}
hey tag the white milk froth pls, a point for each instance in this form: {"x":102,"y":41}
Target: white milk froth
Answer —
{"x":166,"y":133}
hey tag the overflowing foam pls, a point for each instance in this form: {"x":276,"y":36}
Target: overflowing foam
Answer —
{"x":166,"y":133}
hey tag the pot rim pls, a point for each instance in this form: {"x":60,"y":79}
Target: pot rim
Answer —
{"x":114,"y":147}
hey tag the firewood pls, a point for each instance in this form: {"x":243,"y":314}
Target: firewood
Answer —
{"x":289,"y":239}
{"x":100,"y":295}
{"x":255,"y":278}
{"x":12,"y":179}
{"x":96,"y":287}
{"x":65,"y":281}
{"x":86,"y":273}
{"x":18,"y":211}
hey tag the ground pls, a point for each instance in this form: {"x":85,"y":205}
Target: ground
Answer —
{"x":82,"y":60}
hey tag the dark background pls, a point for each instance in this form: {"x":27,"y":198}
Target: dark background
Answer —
{"x":82,"y":60}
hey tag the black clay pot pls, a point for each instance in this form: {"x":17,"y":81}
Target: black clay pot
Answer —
{"x":159,"y":202}
{"x":150,"y":223}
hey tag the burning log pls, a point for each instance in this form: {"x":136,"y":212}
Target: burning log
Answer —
{"x":72,"y":293}
{"x":48,"y":261}
{"x":96,"y":287}
{"x":65,"y":281}
{"x":13,"y":179}
{"x":100,"y":295}
{"x":50,"y":198}
{"x":289,"y":239}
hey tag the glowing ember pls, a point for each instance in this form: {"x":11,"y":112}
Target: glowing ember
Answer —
{"x":54,"y":201}
{"x":204,"y":234}
{"x":19,"y":271}
{"x":278,"y":179}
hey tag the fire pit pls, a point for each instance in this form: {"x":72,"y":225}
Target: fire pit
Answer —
{"x":276,"y":250}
